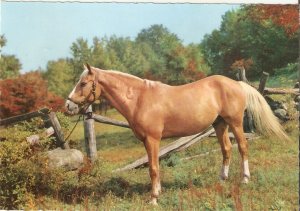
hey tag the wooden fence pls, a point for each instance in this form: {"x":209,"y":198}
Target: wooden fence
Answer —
{"x":51,"y":120}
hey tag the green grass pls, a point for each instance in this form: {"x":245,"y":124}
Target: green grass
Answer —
{"x":187,"y":185}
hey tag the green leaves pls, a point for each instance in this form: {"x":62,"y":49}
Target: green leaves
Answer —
{"x":240,"y":37}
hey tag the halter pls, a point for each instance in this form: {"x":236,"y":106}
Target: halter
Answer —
{"x":92,"y":92}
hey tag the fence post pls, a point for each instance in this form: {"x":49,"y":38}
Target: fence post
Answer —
{"x":57,"y":131}
{"x":262,"y":83}
{"x":89,"y":135}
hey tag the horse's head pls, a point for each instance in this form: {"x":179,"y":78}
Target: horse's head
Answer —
{"x":86,"y":91}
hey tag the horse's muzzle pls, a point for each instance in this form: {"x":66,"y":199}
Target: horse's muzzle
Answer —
{"x":71,"y":107}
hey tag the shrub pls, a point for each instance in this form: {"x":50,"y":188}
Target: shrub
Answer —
{"x":24,"y":172}
{"x":26,"y":93}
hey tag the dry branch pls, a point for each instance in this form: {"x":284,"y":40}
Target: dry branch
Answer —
{"x":169,"y":148}
{"x":34,"y":139}
{"x":269,"y":91}
{"x":249,"y":136}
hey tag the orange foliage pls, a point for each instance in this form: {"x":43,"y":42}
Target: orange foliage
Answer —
{"x":191,"y":73}
{"x":242,"y":63}
{"x":286,"y":16}
{"x":26,"y":93}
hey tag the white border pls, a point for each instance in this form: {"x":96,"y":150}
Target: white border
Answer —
{"x":170,"y":1}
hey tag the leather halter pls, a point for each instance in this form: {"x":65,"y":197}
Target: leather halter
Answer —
{"x":92,"y":92}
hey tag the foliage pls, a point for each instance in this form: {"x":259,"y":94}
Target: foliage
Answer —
{"x":81,"y":54}
{"x":26,"y":93}
{"x":155,"y":54}
{"x":285,"y":16}
{"x":241,"y":38}
{"x":9,"y":65}
{"x":24,"y":169}
{"x":59,"y":77}
{"x":285,"y":77}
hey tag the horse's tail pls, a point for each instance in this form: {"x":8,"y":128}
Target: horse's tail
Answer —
{"x":264,"y":120}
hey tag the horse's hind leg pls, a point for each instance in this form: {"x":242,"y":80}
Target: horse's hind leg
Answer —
{"x":221,"y":128}
{"x":238,"y":131}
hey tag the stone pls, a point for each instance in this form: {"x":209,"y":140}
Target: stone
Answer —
{"x":281,"y":114}
{"x":69,"y":159}
{"x":297,"y":99}
{"x":274,"y":104}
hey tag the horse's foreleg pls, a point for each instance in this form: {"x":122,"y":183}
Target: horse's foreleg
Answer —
{"x":221,"y":128}
{"x":152,"y":148}
{"x":243,"y":148}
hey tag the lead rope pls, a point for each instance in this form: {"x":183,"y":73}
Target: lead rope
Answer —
{"x":93,"y":93}
{"x":66,"y":139}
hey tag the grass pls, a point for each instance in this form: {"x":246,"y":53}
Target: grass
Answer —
{"x":187,"y":185}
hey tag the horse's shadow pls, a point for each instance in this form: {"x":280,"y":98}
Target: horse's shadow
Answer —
{"x":120,"y":187}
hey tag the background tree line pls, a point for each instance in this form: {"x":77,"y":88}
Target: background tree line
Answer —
{"x":258,"y":37}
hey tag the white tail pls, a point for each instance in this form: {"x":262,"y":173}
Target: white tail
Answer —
{"x":264,"y":120}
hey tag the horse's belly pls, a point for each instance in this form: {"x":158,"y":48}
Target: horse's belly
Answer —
{"x":186,"y":127}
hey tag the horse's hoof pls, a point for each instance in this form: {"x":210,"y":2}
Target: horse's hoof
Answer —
{"x":223,"y":178}
{"x":153,"y":201}
{"x":245,"y":180}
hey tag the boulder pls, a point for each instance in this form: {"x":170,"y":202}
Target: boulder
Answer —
{"x":274,"y":104}
{"x":69,"y":159}
{"x":281,"y":114}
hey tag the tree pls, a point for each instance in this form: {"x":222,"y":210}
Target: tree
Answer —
{"x":9,"y":65}
{"x":81,"y":54}
{"x":26,"y":93}
{"x":168,"y":60}
{"x":239,"y":37}
{"x":285,"y":16}
{"x":59,"y":76}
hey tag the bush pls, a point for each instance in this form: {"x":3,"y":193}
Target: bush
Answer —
{"x":24,"y":171}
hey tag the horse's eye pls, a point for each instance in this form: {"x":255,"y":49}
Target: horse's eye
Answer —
{"x":82,"y":84}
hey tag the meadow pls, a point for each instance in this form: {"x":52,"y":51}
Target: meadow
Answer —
{"x":187,"y":184}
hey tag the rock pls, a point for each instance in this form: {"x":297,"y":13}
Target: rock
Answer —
{"x":274,"y":104}
{"x":281,"y":114}
{"x":296,"y":85}
{"x":69,"y":159}
{"x":297,"y":99}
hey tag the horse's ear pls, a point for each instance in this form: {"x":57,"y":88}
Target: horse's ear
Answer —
{"x":89,"y":68}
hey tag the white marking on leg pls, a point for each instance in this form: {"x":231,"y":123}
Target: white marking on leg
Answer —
{"x":246,"y":169}
{"x":246,"y":175}
{"x":224,"y":172}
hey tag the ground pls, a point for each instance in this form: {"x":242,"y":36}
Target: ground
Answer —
{"x":188,"y":184}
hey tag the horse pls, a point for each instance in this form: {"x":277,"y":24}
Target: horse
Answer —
{"x":155,"y":110}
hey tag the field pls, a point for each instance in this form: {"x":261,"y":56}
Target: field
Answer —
{"x":187,"y":184}
{"x":193,"y":184}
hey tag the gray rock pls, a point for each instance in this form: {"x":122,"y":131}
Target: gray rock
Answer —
{"x":281,"y":114}
{"x":297,"y":99}
{"x":69,"y":159}
{"x":274,"y":104}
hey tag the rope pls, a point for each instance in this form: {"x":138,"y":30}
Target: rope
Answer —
{"x":73,"y":128}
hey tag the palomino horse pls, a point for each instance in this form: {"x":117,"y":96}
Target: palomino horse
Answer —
{"x":155,"y":110}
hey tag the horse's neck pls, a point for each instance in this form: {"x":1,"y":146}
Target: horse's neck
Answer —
{"x":121,"y":90}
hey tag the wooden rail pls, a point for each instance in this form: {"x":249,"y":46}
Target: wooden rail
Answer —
{"x":15,"y":119}
{"x":106,"y":120}
{"x":49,"y":118}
